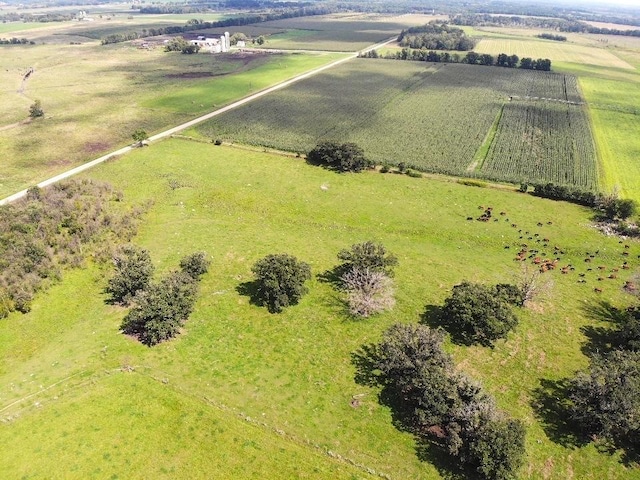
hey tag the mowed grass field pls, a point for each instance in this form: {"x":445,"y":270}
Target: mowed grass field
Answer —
{"x":242,"y":393}
{"x":433,"y":117}
{"x":94,"y":97}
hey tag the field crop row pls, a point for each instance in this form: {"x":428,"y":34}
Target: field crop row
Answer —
{"x":544,"y":141}
{"x":434,"y":118}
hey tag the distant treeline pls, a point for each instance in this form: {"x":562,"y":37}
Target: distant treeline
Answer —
{"x":551,"y":36}
{"x":436,"y":36}
{"x":559,"y":24}
{"x":16,"y":41}
{"x":471,"y":58}
{"x":195,"y":24}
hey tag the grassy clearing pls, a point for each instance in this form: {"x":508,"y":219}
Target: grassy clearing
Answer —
{"x":94,"y":97}
{"x":290,"y":372}
{"x":417,"y":113}
{"x":19,"y":27}
{"x":171,"y":435}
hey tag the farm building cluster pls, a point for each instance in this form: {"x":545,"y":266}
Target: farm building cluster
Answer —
{"x":215,"y":44}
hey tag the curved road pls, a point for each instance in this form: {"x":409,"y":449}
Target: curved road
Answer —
{"x":171,"y":131}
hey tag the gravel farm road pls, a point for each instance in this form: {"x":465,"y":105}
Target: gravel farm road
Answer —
{"x":195,"y":121}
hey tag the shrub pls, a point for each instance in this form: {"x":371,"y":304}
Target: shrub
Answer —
{"x":511,"y":294}
{"x":280,"y":281}
{"x":133,"y":273}
{"x":35,"y":110}
{"x":473,"y":183}
{"x":368,"y":291}
{"x":604,"y":398}
{"x":415,"y":374}
{"x":347,"y":157}
{"x":497,"y":449}
{"x":217,"y":142}
{"x":161,"y":309}
{"x":474,"y":314}
{"x":614,"y":208}
{"x":195,"y":265}
{"x":367,"y":256}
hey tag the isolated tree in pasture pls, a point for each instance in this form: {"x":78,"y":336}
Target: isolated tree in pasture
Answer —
{"x":260,"y":40}
{"x":35,"y":110}
{"x":368,"y":256}
{"x":133,"y":273}
{"x":605,"y":399}
{"x":368,"y":291}
{"x":280,"y":281}
{"x":346,"y":157}
{"x":475,"y":314}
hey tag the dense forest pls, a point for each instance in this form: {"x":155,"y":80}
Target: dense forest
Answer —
{"x":436,"y":36}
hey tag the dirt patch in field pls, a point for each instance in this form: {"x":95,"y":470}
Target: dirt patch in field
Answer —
{"x":96,"y":147}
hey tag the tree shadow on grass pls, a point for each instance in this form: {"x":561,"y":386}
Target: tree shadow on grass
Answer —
{"x":601,"y":339}
{"x":251,"y":290}
{"x":448,"y":466}
{"x":333,"y":276}
{"x":551,"y":407}
{"x":432,"y":316}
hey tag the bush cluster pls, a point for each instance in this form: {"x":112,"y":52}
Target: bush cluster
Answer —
{"x":346,"y":157}
{"x":610,"y":206}
{"x":437,"y":404}
{"x":160,"y":309}
{"x":54,"y":228}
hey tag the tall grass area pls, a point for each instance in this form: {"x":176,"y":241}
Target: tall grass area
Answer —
{"x":246,"y":394}
{"x":94,"y":97}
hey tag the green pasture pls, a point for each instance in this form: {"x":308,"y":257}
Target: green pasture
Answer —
{"x":95,"y":96}
{"x":13,"y":27}
{"x":433,"y":117}
{"x":242,"y":393}
{"x":613,"y":97}
{"x":270,"y":69}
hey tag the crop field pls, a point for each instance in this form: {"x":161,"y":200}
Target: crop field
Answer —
{"x":432,"y":117}
{"x":94,"y":97}
{"x":345,"y":32}
{"x":555,"y":51}
{"x":543,"y":140}
{"x":242,"y":393}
